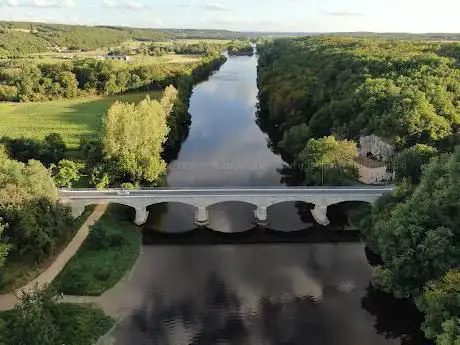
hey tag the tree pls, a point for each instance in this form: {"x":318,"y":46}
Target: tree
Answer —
{"x":418,"y":241}
{"x":4,"y":247}
{"x":65,"y":174}
{"x":40,"y":228}
{"x":20,"y":182}
{"x":99,"y":177}
{"x":53,"y":149}
{"x":168,"y":99}
{"x":409,"y":162}
{"x":133,"y":137}
{"x":441,"y":303}
{"x":450,"y":334}
{"x":328,"y":161}
{"x":33,"y":322}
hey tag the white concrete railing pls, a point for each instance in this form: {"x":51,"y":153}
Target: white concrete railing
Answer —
{"x":202,"y":198}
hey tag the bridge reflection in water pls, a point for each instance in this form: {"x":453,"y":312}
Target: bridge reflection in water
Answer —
{"x":203,"y":198}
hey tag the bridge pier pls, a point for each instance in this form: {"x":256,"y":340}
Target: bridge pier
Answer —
{"x":77,"y":210}
{"x":141,"y":215}
{"x":261,"y":216}
{"x":202,"y":216}
{"x":319,"y":213}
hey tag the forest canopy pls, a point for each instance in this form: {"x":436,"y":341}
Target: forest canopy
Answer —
{"x":405,"y":91}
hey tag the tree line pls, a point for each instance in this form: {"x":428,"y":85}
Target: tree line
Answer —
{"x":317,"y":93}
{"x":200,"y":48}
{"x":21,"y":38}
{"x":24,"y":81}
{"x":240,"y":47}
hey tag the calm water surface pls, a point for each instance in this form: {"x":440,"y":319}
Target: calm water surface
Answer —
{"x":262,"y":294}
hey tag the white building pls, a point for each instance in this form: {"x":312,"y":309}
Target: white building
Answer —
{"x":118,"y":57}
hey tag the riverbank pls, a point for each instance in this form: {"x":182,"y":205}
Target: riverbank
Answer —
{"x":55,"y":323}
{"x":110,"y":250}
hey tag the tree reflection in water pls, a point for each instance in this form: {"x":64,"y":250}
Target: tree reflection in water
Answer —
{"x":218,"y":317}
{"x":395,"y":318}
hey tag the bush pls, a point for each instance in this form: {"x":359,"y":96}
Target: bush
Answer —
{"x":117,"y":239}
{"x":41,"y":227}
{"x":110,"y":250}
{"x":98,"y":238}
{"x":40,"y":320}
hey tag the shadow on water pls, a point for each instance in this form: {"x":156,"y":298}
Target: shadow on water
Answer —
{"x":257,"y":235}
{"x":394,"y":318}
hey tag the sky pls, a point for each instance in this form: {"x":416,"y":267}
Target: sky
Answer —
{"x":416,"y":16}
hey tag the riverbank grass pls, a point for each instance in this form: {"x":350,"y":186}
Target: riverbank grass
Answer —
{"x":73,"y":324}
{"x":71,"y":118}
{"x":17,"y":272}
{"x":109,"y":252}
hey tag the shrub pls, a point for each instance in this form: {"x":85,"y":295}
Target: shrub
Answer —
{"x":98,"y":237}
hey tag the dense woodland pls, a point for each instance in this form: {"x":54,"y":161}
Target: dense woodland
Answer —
{"x":18,"y":39}
{"x":408,"y":92}
{"x":240,"y":47}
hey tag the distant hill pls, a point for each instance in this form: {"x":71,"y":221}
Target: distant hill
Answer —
{"x":21,"y":38}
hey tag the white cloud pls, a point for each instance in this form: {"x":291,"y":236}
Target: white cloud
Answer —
{"x":9,"y":3}
{"x":109,"y":3}
{"x":51,"y":3}
{"x":216,"y":6}
{"x":133,"y":5}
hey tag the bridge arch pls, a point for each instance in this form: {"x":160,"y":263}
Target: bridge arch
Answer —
{"x":203,"y":198}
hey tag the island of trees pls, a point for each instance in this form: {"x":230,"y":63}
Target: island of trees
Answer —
{"x":240,"y":47}
{"x":317,"y":93}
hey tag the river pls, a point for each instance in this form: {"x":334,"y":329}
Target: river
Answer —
{"x":270,"y":293}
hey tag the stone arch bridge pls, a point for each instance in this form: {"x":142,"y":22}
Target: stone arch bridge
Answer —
{"x":203,"y":198}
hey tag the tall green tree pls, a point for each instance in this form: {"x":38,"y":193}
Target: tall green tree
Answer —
{"x":418,"y":241}
{"x":133,"y":137}
{"x":329,"y":161}
{"x":441,"y":303}
{"x":65,"y":174}
{"x":409,"y":162}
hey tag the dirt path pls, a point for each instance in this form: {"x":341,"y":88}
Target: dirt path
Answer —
{"x":8,"y":301}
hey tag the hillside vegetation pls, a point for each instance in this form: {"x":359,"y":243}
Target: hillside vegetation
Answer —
{"x":405,"y":91}
{"x":21,"y":38}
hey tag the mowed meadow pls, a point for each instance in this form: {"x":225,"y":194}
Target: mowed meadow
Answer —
{"x":72,"y":119}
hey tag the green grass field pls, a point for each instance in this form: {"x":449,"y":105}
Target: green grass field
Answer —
{"x":72,"y":119}
{"x":96,"y":267}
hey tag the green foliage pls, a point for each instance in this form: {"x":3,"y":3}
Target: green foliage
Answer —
{"x":183,"y":48}
{"x":4,"y":246}
{"x":32,"y":323}
{"x":133,"y":136}
{"x":39,"y":319}
{"x":441,"y":303}
{"x":406,"y":91}
{"x":96,"y":268}
{"x":17,"y":43}
{"x":129,"y":186}
{"x":240,"y":47}
{"x":418,"y":241}
{"x":328,"y":161}
{"x":65,"y":174}
{"x":39,"y":229}
{"x":409,"y":162}
{"x":72,"y":119}
{"x":100,"y":177}
{"x":20,"y":182}
{"x":450,"y":334}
